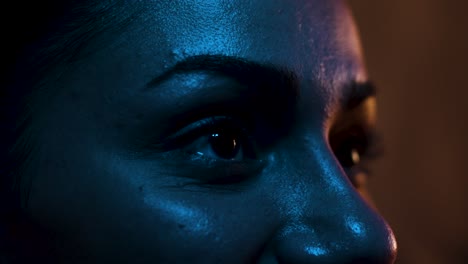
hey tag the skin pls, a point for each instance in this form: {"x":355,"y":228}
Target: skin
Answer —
{"x":101,"y":189}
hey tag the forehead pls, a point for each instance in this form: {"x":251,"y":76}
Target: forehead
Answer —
{"x":315,"y":39}
{"x":280,"y":32}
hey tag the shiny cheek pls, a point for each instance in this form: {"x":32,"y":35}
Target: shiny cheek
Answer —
{"x":86,"y":189}
{"x":186,"y":221}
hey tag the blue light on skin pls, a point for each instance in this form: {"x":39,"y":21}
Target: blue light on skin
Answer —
{"x":226,"y":36}
{"x":317,"y":251}
{"x":91,"y":188}
{"x":179,"y":213}
{"x":356,"y":226}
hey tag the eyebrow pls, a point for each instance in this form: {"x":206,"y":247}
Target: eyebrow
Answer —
{"x":245,"y":71}
{"x":260,"y":76}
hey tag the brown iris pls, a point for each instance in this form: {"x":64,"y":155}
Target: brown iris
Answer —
{"x":225,"y":144}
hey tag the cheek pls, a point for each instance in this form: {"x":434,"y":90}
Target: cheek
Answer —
{"x":185,"y":223}
{"x":111,"y":208}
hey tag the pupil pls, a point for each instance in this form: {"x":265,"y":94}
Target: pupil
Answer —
{"x":348,"y":156}
{"x":225,"y":145}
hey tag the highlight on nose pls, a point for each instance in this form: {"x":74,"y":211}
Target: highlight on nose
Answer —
{"x":336,"y":240}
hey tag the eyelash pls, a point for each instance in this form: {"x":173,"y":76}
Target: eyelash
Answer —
{"x":184,"y":146}
{"x":355,"y":148}
{"x":204,"y":127}
{"x":200,"y":133}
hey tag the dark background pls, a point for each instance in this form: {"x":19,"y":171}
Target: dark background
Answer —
{"x":417,"y":54}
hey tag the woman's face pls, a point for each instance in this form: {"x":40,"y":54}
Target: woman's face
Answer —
{"x":211,"y":132}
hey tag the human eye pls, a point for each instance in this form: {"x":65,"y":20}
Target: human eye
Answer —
{"x":219,"y":149}
{"x":218,"y":138}
{"x":355,"y":148}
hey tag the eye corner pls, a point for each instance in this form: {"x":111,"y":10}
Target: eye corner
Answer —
{"x":355,"y":146}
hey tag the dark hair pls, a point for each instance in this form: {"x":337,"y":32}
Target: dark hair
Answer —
{"x":47,"y":35}
{"x":22,"y":25}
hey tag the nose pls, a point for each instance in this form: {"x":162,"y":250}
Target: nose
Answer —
{"x":352,"y":239}
{"x":326,"y":220}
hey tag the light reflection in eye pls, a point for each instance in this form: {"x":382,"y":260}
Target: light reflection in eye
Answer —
{"x":355,"y":157}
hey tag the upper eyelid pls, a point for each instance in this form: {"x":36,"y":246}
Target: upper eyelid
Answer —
{"x":210,"y":121}
{"x":178,"y":137}
{"x":276,"y":87}
{"x":355,"y":93}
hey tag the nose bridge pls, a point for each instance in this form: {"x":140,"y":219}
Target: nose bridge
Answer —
{"x":325,"y":219}
{"x":313,"y":180}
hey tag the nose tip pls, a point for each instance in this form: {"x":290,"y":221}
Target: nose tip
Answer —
{"x":323,"y":219}
{"x":354,"y":242}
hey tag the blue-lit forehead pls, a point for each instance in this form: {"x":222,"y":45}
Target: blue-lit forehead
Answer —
{"x":277,"y":32}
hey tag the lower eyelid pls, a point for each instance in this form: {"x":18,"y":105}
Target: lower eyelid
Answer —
{"x":208,"y":170}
